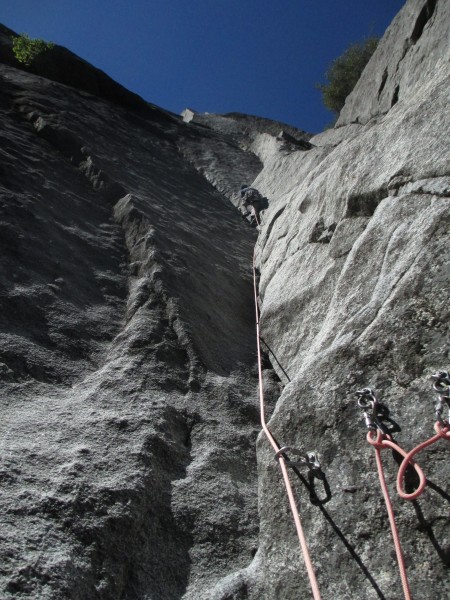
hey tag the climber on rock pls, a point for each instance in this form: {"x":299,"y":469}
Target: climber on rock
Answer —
{"x":251,"y":197}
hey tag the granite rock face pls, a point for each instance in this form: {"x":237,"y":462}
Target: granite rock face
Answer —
{"x":220,"y":147}
{"x":63,"y":66}
{"x":369,"y":308}
{"x":127,"y":356}
{"x":415,"y":47}
{"x":128,"y":379}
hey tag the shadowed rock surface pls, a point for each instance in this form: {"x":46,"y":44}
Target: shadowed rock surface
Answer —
{"x":127,"y":363}
{"x":63,"y":66}
{"x":127,"y":357}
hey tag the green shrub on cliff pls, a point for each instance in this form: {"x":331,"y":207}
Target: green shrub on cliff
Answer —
{"x":344,"y":72}
{"x":26,"y":49}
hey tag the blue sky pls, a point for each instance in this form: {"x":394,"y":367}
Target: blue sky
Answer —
{"x":260,"y":57}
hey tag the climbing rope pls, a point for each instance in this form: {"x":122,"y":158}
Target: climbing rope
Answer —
{"x":368,"y":402}
{"x":378,"y":436}
{"x":306,"y":458}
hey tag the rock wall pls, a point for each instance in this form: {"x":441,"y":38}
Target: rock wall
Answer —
{"x":220,"y":147}
{"x":127,"y":360}
{"x":127,"y":356}
{"x":353,"y":256}
{"x":360,"y":224}
{"x":415,"y":47}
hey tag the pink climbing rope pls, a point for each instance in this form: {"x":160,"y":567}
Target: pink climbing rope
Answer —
{"x":442,"y":432}
{"x":275,"y":446}
{"x":382,"y":440}
{"x":385,"y":441}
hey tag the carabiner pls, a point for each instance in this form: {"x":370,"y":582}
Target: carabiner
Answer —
{"x":308,"y":459}
{"x":368,"y":402}
{"x":442,"y":383}
{"x":442,"y":387}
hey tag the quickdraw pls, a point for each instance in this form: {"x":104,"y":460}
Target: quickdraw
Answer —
{"x":379,"y":437}
{"x":308,"y":459}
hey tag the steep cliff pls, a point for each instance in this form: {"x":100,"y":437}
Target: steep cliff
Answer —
{"x":127,"y":345}
{"x":127,"y":356}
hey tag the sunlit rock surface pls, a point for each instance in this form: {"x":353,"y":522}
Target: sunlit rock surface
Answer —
{"x":127,"y":344}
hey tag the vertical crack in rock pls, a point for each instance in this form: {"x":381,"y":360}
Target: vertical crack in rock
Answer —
{"x":273,"y":221}
{"x":383,"y":82}
{"x":423,"y":18}
{"x":395,"y":95}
